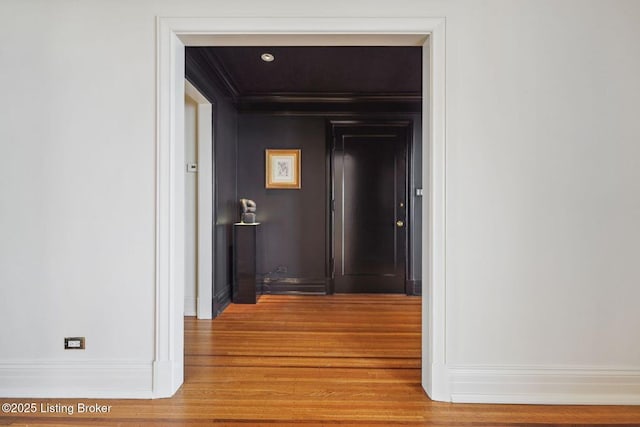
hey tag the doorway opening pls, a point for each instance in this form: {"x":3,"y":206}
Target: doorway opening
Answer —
{"x":173,"y":35}
{"x":304,"y":97}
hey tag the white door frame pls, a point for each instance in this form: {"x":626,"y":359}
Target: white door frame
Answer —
{"x":172,"y":36}
{"x":204,"y":132}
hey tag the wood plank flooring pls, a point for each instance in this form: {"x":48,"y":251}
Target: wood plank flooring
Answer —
{"x":314,"y":361}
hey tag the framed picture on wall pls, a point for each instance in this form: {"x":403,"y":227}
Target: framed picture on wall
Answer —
{"x":282,"y":169}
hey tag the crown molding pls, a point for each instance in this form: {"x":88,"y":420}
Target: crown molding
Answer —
{"x":330,"y":102}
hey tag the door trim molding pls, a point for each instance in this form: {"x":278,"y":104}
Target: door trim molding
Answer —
{"x":172,"y":34}
{"x":204,"y":299}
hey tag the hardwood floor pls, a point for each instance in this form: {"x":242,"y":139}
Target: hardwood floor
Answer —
{"x":314,"y":361}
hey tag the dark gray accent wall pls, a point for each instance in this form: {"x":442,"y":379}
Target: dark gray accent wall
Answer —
{"x":292,"y":252}
{"x":225,"y":135}
{"x":292,"y":241}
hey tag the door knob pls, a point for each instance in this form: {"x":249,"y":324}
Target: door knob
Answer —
{"x":400,"y":223}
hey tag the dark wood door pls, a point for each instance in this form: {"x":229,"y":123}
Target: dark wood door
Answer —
{"x":369,"y":198}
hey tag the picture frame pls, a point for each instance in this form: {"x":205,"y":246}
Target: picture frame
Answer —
{"x":282,"y":169}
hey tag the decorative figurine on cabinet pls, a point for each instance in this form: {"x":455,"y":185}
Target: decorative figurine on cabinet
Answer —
{"x":247,"y":211}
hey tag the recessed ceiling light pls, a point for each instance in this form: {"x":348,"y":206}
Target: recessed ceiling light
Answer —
{"x":267,"y":57}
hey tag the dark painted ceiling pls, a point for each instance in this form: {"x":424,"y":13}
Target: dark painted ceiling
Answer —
{"x":308,"y":78}
{"x":349,"y":69}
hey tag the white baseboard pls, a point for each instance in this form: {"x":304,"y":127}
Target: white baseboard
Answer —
{"x":545,"y":385}
{"x":76,"y":379}
{"x":190,"y":304}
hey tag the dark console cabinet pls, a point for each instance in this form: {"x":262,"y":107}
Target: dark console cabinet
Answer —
{"x":245,"y":240}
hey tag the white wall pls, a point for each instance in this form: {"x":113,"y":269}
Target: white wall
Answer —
{"x":191,"y":208}
{"x":77,"y":207}
{"x":543,"y":201}
{"x":543,"y":191}
{"x":544,"y":184}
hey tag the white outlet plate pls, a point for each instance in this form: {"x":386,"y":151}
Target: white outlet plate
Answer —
{"x":74,"y":343}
